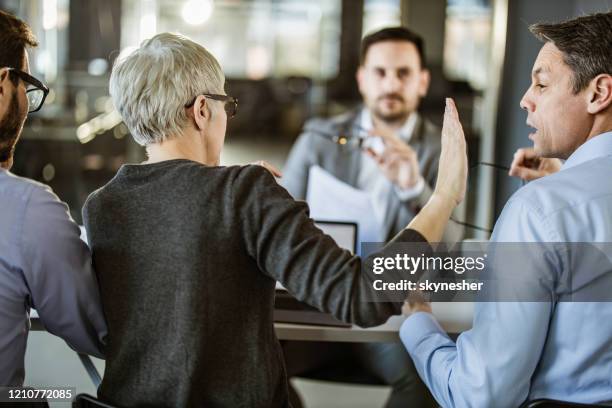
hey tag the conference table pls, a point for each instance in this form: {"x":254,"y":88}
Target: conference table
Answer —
{"x":454,"y":317}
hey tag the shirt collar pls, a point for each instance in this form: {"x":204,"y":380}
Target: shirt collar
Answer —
{"x":405,"y":132}
{"x":596,"y":147}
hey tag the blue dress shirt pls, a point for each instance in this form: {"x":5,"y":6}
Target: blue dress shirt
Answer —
{"x":43,"y":265}
{"x":519,"y":351}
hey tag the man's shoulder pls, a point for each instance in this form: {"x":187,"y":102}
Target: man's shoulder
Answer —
{"x":32,"y":208}
{"x":332,"y":124}
{"x":566,"y":189}
{"x":428,"y":131}
{"x":21,"y":189}
{"x":431,"y":128}
{"x":542,"y":196}
{"x":316,"y":139}
{"x":561,"y":203}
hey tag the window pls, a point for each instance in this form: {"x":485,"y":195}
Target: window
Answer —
{"x":251,"y":39}
{"x":468,"y":41}
{"x":379,"y":14}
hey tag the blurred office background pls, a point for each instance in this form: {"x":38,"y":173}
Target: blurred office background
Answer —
{"x":286,"y":61}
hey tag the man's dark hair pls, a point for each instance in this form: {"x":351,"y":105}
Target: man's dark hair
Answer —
{"x":15,"y":36}
{"x":393,"y":34}
{"x":586,"y":44}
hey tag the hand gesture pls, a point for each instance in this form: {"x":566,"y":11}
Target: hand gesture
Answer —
{"x":273,"y":170}
{"x":528,"y":166}
{"x":453,"y":168}
{"x":398,"y":162}
{"x":416,"y":302}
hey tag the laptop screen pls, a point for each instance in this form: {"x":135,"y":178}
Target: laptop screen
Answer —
{"x":344,"y":233}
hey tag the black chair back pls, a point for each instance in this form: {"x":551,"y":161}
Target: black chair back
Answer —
{"x":87,"y":401}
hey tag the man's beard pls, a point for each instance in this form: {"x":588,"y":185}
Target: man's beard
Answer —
{"x":394,"y":118}
{"x":10,"y":128}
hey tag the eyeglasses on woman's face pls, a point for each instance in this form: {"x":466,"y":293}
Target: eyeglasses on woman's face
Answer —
{"x":230,"y":104}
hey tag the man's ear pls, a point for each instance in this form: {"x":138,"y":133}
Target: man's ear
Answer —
{"x":424,"y":81}
{"x":359,"y":76}
{"x":599,"y":93}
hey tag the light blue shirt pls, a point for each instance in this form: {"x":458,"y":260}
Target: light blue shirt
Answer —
{"x":519,"y":351}
{"x":43,"y":265}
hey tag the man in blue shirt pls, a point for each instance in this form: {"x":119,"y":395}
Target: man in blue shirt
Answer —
{"x":43,"y":263}
{"x":519,"y":351}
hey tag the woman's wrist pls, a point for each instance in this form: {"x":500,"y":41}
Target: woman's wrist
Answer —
{"x":443,"y":201}
{"x":431,"y":221}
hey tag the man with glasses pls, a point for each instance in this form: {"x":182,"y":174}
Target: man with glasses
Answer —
{"x":43,"y":263}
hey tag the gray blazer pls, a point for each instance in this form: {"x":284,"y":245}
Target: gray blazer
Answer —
{"x":312,"y":148}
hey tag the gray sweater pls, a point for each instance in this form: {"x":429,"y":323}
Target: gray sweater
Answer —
{"x":187,"y":257}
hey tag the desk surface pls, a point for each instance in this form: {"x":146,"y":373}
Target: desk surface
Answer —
{"x":453,"y":317}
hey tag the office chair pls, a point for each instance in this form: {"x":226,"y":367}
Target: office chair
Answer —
{"x":547,"y":403}
{"x":87,"y":401}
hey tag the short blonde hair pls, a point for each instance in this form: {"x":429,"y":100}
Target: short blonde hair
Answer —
{"x":151,"y":86}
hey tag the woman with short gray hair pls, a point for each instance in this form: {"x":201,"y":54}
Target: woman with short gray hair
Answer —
{"x":187,"y":252}
{"x":151,"y":86}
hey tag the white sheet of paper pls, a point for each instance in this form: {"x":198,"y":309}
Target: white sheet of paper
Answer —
{"x":331,"y":199}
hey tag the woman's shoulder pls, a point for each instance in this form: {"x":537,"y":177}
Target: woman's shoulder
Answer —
{"x":249,"y":175}
{"x":242,"y":183}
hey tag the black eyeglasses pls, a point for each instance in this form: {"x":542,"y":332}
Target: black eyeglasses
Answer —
{"x":36,"y":91}
{"x":230,"y":103}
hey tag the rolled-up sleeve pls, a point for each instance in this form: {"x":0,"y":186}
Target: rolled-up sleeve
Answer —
{"x":58,"y":271}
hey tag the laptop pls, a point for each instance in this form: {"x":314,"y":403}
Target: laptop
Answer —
{"x":288,"y":309}
{"x":344,"y":233}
